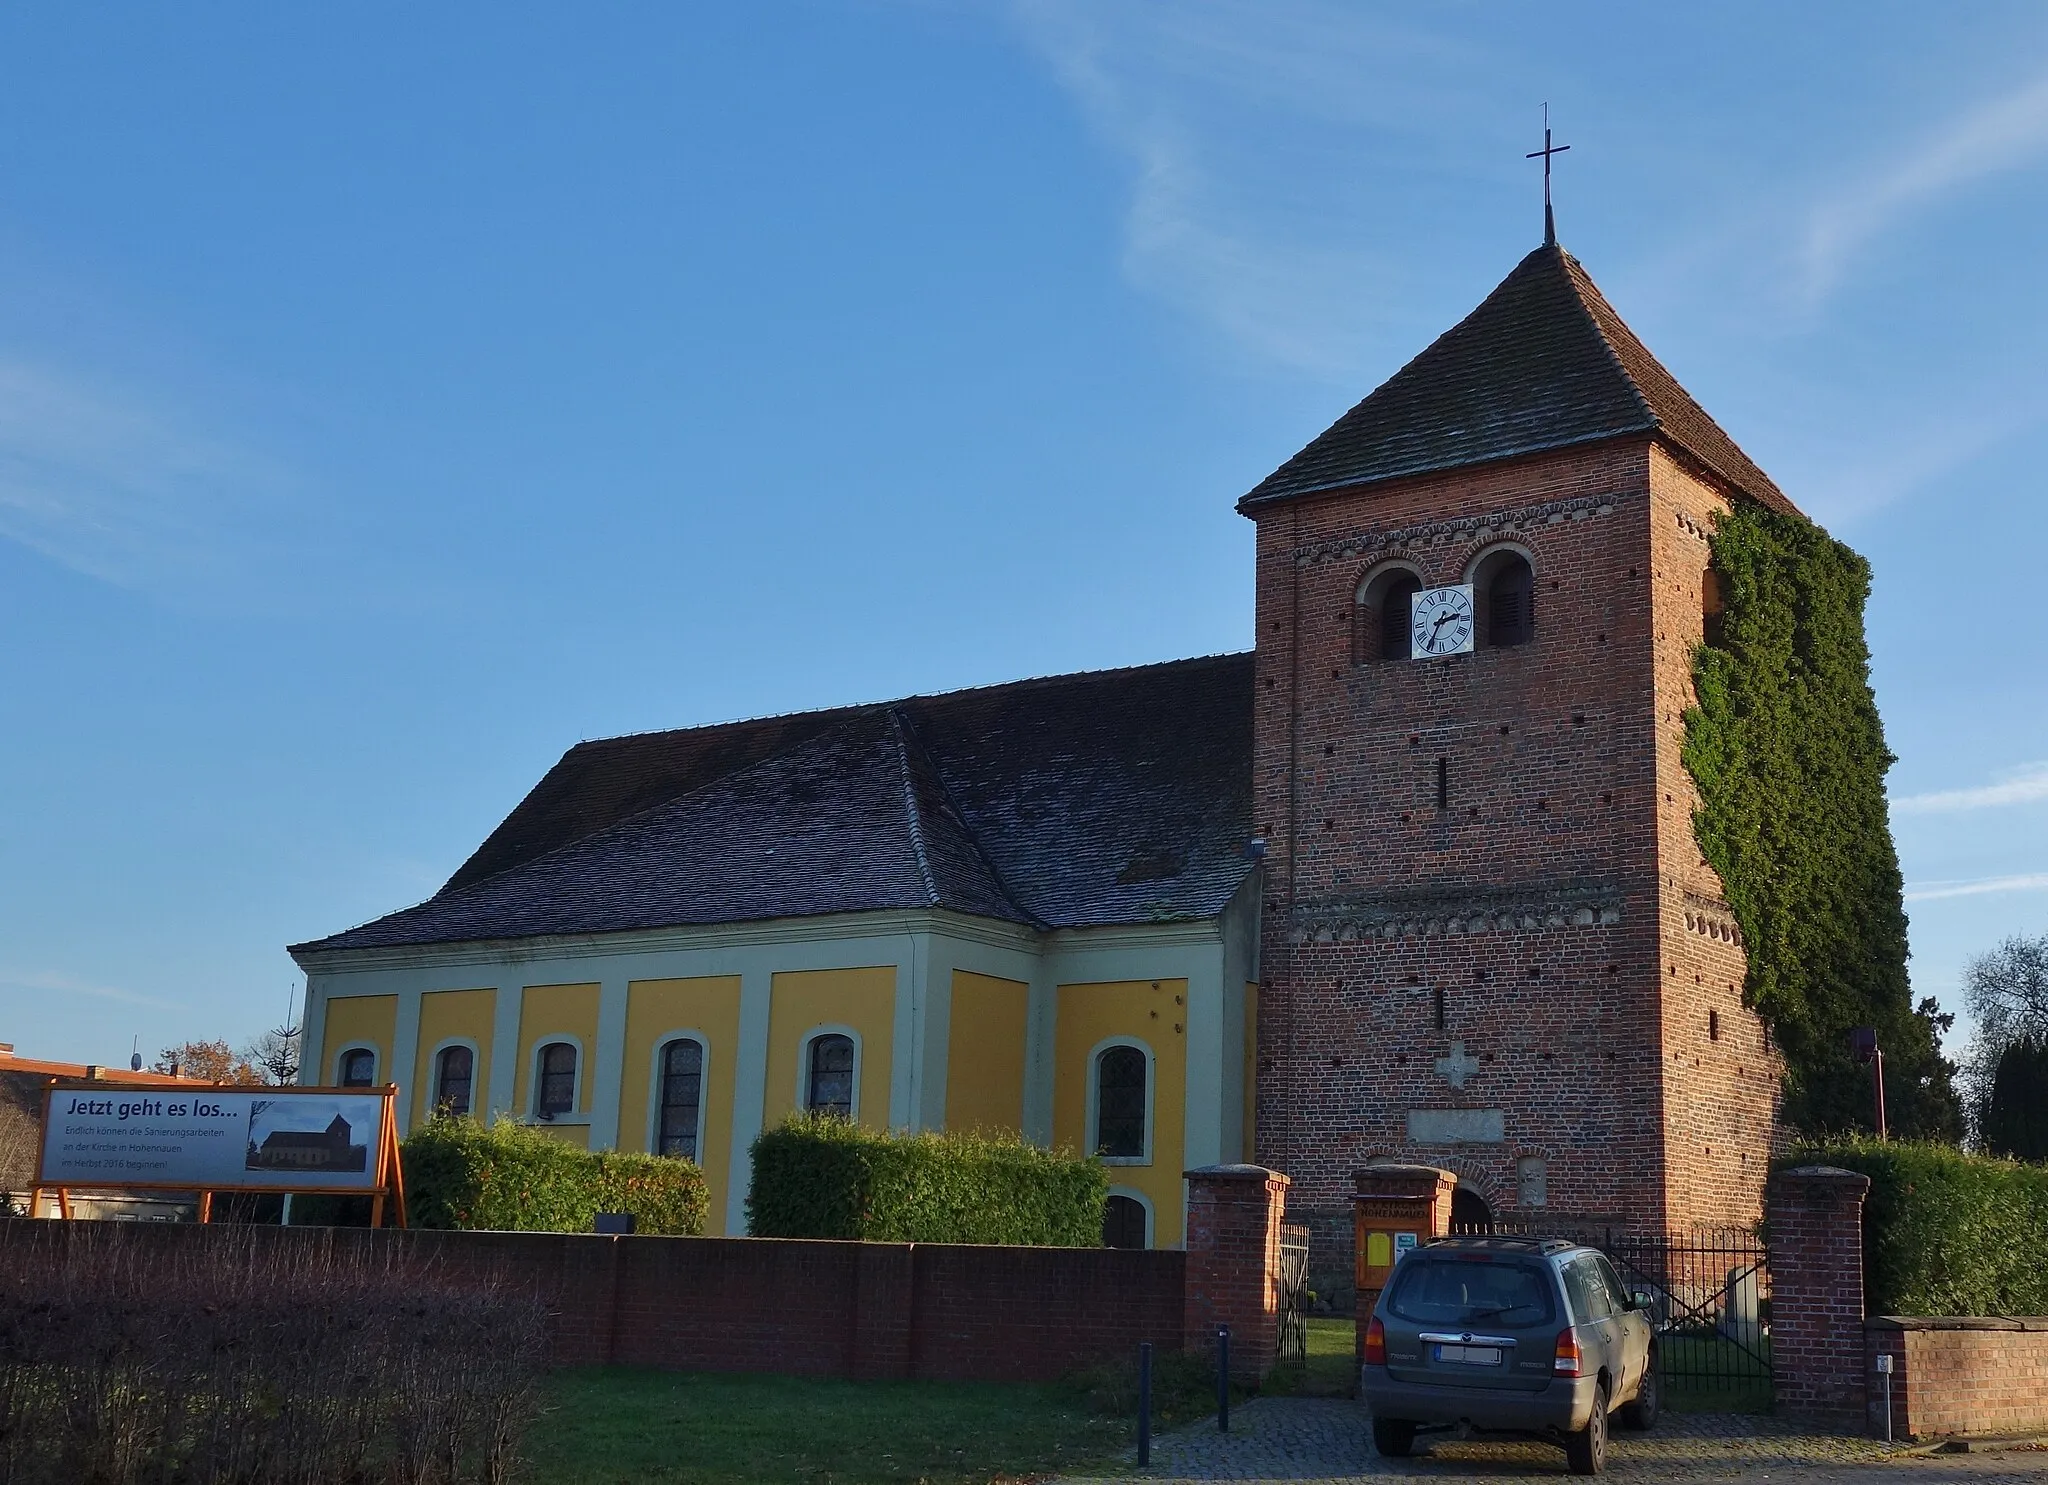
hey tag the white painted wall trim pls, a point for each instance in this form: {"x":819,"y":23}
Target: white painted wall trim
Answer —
{"x":750,"y":1092}
{"x":506,"y":1007}
{"x":609,"y":1066}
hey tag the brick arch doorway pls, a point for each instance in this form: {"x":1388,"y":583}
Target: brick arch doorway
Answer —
{"x":1469,"y":1211}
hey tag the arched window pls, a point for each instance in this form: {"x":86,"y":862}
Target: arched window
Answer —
{"x":555,"y":1094}
{"x":1469,"y":1212}
{"x":1124,"y":1222}
{"x":1713,"y":605}
{"x":682,"y":1097}
{"x":1380,"y":627}
{"x":828,"y":1075}
{"x":1504,"y":590}
{"x":358,"y":1068}
{"x":1121,"y":1102}
{"x":454,"y":1080}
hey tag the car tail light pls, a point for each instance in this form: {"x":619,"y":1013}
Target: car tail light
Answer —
{"x":1375,"y":1343}
{"x":1569,"y":1361}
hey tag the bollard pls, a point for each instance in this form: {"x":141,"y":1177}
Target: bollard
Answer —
{"x":1223,"y":1379}
{"x":1144,"y":1403}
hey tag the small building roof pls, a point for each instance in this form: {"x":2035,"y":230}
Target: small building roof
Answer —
{"x":1543,"y":363}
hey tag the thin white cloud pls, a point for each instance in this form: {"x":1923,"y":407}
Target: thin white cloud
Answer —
{"x":30,"y":983}
{"x":2006,"y":133}
{"x":2028,"y":882}
{"x":2027,"y":784}
{"x":103,"y":482}
{"x":1203,"y":98}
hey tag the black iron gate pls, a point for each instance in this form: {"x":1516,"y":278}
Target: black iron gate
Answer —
{"x":1294,"y":1293}
{"x":1710,"y":1295}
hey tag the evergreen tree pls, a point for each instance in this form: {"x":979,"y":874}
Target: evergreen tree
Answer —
{"x":2016,"y":1114}
{"x":1789,"y":754}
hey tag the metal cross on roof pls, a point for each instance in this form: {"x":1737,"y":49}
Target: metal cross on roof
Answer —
{"x":1549,"y":221}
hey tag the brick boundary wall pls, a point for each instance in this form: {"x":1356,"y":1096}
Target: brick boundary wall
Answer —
{"x":1958,"y":1375}
{"x":840,"y":1309}
{"x":1951,"y":1375}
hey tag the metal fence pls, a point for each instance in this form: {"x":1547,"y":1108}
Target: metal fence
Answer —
{"x":1708,"y":1292}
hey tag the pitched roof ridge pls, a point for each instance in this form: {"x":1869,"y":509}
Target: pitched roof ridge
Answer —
{"x":1580,"y":282}
{"x":912,"y":813}
{"x":916,"y":756}
{"x":1695,"y":430}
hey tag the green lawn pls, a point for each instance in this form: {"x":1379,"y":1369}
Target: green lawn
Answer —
{"x":1332,"y":1369}
{"x":617,"y":1424}
{"x":626,"y":1426}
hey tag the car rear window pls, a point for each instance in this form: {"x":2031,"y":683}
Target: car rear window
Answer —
{"x":1471,"y":1291}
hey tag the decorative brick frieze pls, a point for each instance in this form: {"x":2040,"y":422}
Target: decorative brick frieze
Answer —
{"x":1430,"y":915}
{"x":1470,"y":530}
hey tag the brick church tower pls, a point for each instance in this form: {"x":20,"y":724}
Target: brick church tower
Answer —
{"x":1490,"y":941}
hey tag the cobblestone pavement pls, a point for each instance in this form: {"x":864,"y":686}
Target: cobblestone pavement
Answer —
{"x":1330,"y":1440}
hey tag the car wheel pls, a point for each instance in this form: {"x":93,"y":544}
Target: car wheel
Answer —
{"x":1640,"y":1412}
{"x":1394,"y":1438}
{"x":1586,"y":1450}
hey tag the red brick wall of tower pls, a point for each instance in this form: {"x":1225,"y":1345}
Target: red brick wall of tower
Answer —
{"x":1548,"y":903}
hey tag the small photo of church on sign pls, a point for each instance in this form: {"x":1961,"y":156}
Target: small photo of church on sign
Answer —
{"x":288,"y":1134}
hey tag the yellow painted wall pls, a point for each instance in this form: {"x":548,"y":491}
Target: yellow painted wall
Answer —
{"x":445,"y":1015}
{"x":359,"y":1018}
{"x":545,"y":1012}
{"x":655,"y":1009}
{"x":1251,"y":1072}
{"x":1155,"y":1013}
{"x":802,"y":1000}
{"x":985,"y":1053}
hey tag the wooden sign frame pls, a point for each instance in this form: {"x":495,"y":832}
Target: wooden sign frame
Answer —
{"x":389,"y":1176}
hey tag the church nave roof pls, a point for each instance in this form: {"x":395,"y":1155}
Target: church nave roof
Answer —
{"x":1107,"y":797}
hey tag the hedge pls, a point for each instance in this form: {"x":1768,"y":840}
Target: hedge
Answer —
{"x":1946,"y":1233}
{"x":514,"y":1178}
{"x":821,"y":1177}
{"x":1789,"y":753}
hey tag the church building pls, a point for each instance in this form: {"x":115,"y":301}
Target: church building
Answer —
{"x":1414,"y":879}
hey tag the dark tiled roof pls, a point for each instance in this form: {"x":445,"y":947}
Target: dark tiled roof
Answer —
{"x":1109,"y":797}
{"x":1543,"y":363}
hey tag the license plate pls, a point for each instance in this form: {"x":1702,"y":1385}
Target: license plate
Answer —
{"x":1469,"y":1355}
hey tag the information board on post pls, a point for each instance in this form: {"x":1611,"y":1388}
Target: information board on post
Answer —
{"x":208,"y":1139}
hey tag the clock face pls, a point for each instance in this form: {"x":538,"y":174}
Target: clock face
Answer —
{"x":1440,"y":622}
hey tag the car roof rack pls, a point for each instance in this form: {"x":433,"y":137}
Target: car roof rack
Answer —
{"x":1508,"y":1242}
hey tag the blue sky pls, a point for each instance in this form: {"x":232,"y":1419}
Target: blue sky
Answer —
{"x":390,"y":398}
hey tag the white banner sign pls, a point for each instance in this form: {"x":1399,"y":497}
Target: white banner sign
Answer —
{"x":213,"y":1139}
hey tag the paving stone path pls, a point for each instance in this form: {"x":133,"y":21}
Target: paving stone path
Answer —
{"x":1311,"y":1440}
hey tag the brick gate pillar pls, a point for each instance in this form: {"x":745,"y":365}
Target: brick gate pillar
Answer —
{"x":1233,"y":1265}
{"x":1816,"y":1227}
{"x":1391,"y":1206}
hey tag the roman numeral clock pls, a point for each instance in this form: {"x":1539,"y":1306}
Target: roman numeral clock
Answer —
{"x":1440,"y":622}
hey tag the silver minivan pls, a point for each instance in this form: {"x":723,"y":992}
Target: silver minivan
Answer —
{"x":1522,"y":1335}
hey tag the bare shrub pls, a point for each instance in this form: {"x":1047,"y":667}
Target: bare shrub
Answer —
{"x":204,"y":1356}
